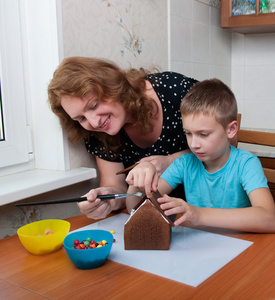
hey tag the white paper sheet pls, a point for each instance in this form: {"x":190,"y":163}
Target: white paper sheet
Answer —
{"x":194,"y":255}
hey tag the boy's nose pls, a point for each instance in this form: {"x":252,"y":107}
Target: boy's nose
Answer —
{"x":194,"y":142}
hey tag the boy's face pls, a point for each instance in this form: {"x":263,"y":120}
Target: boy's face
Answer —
{"x":206,"y":138}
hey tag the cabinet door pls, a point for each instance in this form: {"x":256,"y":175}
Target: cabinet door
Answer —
{"x":248,"y":16}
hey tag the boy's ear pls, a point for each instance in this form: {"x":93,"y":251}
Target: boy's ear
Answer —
{"x":232,"y":129}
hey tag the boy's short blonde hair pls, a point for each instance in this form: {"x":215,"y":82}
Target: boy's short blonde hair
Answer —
{"x":211,"y":97}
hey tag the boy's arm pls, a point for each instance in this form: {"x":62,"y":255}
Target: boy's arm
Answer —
{"x":164,"y":187}
{"x":143,"y":176}
{"x":131,"y":202}
{"x":258,"y":218}
{"x":262,"y":213}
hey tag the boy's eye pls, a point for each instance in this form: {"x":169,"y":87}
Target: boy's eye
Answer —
{"x":204,"y":134}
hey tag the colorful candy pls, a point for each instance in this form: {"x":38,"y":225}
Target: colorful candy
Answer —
{"x":49,"y":232}
{"x":88,"y":244}
{"x":46,"y":233}
{"x":113,"y":232}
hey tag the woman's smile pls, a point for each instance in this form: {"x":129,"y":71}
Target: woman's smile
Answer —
{"x":106,"y":124}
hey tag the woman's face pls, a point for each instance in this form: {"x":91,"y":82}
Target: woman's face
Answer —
{"x":108,"y":117}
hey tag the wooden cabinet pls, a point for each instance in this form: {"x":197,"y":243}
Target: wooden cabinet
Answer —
{"x":252,"y":23}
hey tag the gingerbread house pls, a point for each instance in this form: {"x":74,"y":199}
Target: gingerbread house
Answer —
{"x":148,"y":228}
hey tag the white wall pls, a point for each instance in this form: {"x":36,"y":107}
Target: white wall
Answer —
{"x":131,"y":33}
{"x":253,"y":78}
{"x":199,"y":47}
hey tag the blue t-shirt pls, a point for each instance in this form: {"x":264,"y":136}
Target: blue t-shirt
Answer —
{"x":227,"y":188}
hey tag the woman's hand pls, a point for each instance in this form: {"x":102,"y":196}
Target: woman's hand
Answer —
{"x":144,"y":176}
{"x":173,"y":206}
{"x":110,"y":183}
{"x":94,"y":208}
{"x":161,"y":162}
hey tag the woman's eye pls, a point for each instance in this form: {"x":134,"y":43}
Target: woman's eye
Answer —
{"x":81,"y":120}
{"x":204,"y":134}
{"x":93,"y":106}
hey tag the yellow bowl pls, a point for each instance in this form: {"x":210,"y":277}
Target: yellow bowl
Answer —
{"x":43,"y":237}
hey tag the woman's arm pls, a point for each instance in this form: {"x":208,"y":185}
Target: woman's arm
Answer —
{"x":161,"y":162}
{"x":110,"y":183}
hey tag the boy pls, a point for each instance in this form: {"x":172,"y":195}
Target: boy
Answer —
{"x":224,"y":186}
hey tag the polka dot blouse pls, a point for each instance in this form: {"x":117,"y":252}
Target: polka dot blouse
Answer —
{"x":170,"y":87}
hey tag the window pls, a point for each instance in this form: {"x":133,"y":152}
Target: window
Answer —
{"x":14,"y":136}
{"x":31,"y":48}
{"x":2,"y":133}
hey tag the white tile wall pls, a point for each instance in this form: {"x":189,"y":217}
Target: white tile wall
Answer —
{"x":201,"y":13}
{"x":181,"y":34}
{"x":182,"y":8}
{"x":201,"y":43}
{"x":201,"y":49}
{"x":100,"y":29}
{"x":253,"y":77}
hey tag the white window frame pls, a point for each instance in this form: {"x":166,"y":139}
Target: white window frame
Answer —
{"x":42,"y":50}
{"x":40,"y":31}
{"x":14,"y":149}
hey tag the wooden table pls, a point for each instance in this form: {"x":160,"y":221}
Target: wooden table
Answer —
{"x":251,"y":275}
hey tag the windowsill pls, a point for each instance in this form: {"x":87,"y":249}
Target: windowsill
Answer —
{"x":30,"y":183}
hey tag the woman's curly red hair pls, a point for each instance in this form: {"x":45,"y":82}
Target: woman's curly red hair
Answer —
{"x":78,"y":76}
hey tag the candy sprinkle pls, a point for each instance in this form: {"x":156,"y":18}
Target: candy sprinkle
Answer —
{"x":88,"y":244}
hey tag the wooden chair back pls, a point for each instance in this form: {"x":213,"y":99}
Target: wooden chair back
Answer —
{"x":265,"y":139}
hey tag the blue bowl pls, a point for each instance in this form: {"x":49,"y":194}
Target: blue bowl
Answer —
{"x":88,"y":258}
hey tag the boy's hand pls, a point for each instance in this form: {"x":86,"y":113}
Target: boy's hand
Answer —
{"x":173,"y":206}
{"x":144,"y":176}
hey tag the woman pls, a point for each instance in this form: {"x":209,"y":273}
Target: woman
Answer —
{"x":124,"y":116}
